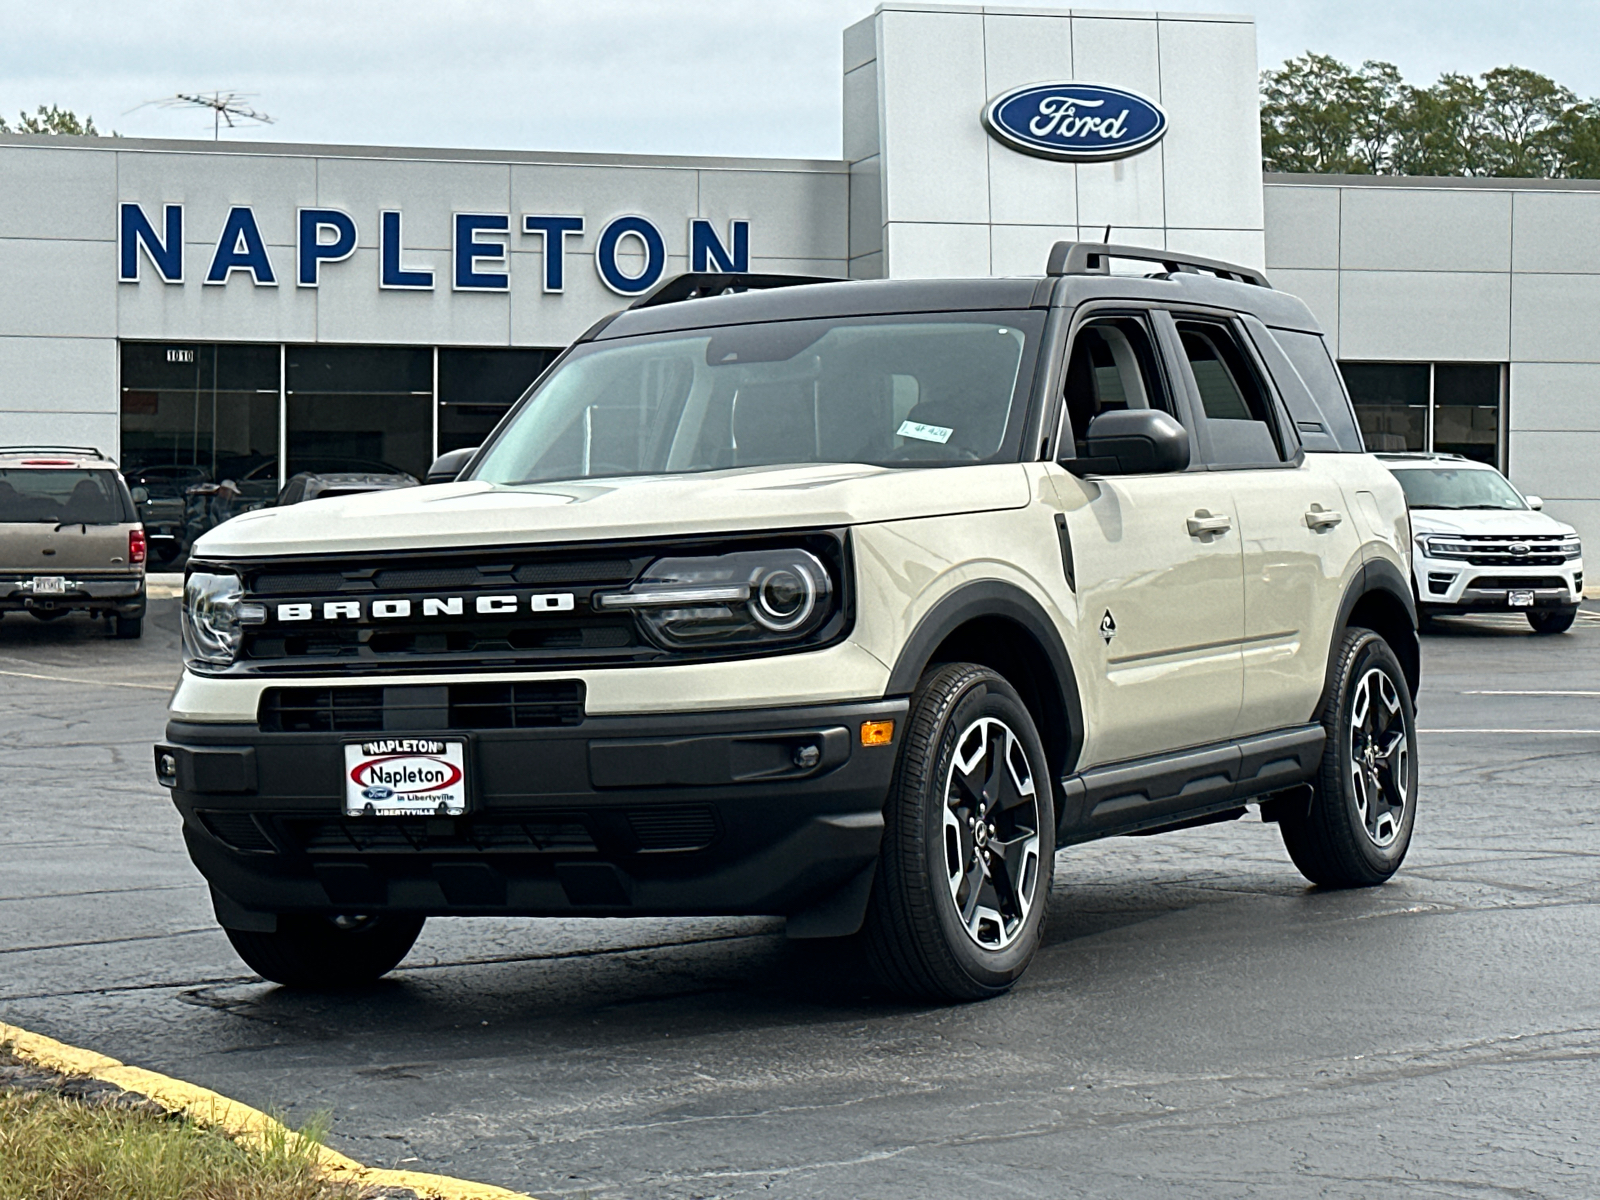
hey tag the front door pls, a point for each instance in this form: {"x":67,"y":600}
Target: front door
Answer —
{"x":1157,"y":568}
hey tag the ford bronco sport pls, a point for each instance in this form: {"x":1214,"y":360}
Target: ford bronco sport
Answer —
{"x":848,"y":601}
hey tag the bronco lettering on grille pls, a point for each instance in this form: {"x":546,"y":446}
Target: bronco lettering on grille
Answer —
{"x":390,"y":608}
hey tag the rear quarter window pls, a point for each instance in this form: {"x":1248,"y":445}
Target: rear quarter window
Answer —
{"x":1322,"y":412}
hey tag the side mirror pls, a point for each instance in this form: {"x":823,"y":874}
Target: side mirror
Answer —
{"x":448,"y":465}
{"x":1535,"y":502}
{"x":1132,"y":441}
{"x":141,"y":495}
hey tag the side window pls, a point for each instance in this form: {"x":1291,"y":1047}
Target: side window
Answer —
{"x":1238,"y":414}
{"x":1112,"y":366}
{"x":1308,"y":354}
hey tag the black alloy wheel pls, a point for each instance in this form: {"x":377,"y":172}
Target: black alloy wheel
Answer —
{"x":1357,"y":829}
{"x":963,"y":881}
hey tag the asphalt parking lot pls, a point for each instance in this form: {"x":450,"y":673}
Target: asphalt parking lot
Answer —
{"x":1199,"y":1022}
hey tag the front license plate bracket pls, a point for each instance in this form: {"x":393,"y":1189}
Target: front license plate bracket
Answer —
{"x":1519,"y":599}
{"x":405,"y":777}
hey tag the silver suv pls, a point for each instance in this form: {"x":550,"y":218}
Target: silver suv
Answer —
{"x":70,"y":537}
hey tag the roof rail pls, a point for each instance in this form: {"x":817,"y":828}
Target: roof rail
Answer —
{"x":88,"y":451}
{"x":696,"y":285}
{"x":1093,"y":258}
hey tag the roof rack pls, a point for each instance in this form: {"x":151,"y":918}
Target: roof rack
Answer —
{"x":1094,"y":258}
{"x":697,"y":285}
{"x":86,"y":451}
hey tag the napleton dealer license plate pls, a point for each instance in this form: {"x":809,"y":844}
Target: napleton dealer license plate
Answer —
{"x":405,"y":777}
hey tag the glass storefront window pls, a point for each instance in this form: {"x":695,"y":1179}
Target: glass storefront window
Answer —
{"x":1466,"y":410}
{"x":360,"y":408}
{"x":478,"y":387}
{"x":195,"y":420}
{"x":1448,"y":408}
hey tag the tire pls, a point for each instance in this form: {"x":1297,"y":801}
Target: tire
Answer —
{"x":128,"y":627}
{"x":1357,"y":829}
{"x":328,"y":953}
{"x":1552,"y":620}
{"x":949,"y":918}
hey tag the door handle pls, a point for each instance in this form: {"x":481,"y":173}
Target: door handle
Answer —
{"x":1203,"y":523}
{"x":1323,"y":518}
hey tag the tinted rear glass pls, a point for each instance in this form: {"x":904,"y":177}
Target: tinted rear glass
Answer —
{"x":1330,"y":410}
{"x":60,"y":497}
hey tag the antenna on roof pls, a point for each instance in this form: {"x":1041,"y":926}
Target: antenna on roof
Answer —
{"x":1107,"y":238}
{"x":225,"y":106}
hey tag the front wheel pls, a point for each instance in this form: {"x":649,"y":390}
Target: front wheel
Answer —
{"x":1357,"y":829}
{"x":328,"y":953}
{"x":958,"y":905}
{"x":1552,"y":620}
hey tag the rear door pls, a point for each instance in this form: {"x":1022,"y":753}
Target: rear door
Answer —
{"x":1156,"y":566}
{"x":1299,"y":543}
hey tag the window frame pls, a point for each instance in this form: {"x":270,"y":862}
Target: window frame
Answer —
{"x":1062,"y":445}
{"x":1285,"y":436}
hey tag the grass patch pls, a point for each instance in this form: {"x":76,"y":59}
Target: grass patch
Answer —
{"x":59,"y":1147}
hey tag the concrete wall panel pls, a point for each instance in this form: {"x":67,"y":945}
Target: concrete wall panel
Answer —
{"x":428,"y":194}
{"x":1424,"y":316}
{"x":1556,"y":231}
{"x":100,"y":430}
{"x":1024,"y":249}
{"x":1320,"y":291}
{"x":1553,"y":318}
{"x":1554,"y":397}
{"x":1557,"y":466}
{"x":56,"y":375}
{"x":1425,"y":229}
{"x":1128,"y":192}
{"x":273,"y":186}
{"x":54,"y":193}
{"x":1212,"y":150}
{"x":1302,"y":227}
{"x":235,"y":311}
{"x":791,"y":214}
{"x":72,"y":288}
{"x":924,"y":251}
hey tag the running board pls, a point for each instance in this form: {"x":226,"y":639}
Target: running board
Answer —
{"x":1166,"y":789}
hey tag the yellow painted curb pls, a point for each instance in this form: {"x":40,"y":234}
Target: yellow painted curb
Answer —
{"x":238,"y":1121}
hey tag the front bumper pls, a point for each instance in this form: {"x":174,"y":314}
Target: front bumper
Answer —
{"x":123,"y":595}
{"x":1445,"y":585}
{"x":679,"y":814}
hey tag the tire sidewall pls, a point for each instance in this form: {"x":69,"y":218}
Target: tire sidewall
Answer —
{"x":985,"y":696}
{"x":1372,"y":651}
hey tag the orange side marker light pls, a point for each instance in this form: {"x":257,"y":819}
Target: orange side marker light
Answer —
{"x":877,"y":733}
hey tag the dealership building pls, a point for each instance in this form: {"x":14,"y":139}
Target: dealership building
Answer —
{"x":250,"y":310}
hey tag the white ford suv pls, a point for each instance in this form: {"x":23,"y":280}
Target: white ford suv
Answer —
{"x":848,"y":601}
{"x":1482,"y":546}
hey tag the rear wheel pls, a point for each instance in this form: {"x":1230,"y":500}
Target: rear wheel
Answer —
{"x":328,"y":953}
{"x":1357,"y":829}
{"x":129,"y":627}
{"x":958,"y":905}
{"x":1552,"y":620}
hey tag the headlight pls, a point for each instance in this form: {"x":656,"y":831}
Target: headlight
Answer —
{"x":1572,"y":548}
{"x":213,"y":615}
{"x":750,"y":597}
{"x":1435,"y":547}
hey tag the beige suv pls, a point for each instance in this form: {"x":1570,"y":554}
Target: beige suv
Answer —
{"x":70,"y":537}
{"x":848,"y":601}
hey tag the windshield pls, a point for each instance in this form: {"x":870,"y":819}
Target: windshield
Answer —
{"x":929,"y":390}
{"x":1463,"y":488}
{"x":60,"y":497}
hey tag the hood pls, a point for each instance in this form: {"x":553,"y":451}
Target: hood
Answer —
{"x":451,"y":515}
{"x":1510,"y":522}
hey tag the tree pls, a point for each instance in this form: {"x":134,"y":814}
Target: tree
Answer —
{"x":53,"y":120}
{"x":1319,"y":116}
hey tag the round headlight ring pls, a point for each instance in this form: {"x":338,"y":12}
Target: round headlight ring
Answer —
{"x":783,"y":598}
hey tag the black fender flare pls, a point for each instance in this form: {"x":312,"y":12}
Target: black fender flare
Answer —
{"x":1381,"y":575}
{"x":1008,"y":602}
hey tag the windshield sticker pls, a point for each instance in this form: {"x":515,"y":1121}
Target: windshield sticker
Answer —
{"x":924,"y":433}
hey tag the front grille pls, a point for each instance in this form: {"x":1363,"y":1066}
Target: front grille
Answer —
{"x":1503,"y":583}
{"x":238,"y":830}
{"x":1494,"y":549}
{"x":665,"y":830}
{"x":382,"y":835}
{"x":539,"y":704}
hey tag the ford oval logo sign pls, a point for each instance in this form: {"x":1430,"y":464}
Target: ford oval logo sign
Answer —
{"x":1078,"y":122}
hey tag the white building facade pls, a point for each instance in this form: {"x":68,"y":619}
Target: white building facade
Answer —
{"x":233,"y":310}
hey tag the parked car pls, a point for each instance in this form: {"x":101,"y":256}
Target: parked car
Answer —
{"x":1479,"y":545}
{"x":162,"y":494}
{"x":70,"y":537}
{"x":311,"y":485}
{"x":845,"y":601}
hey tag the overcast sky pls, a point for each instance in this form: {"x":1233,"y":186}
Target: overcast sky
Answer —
{"x":721,"y":77}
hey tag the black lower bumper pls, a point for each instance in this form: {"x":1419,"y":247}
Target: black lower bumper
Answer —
{"x":121,"y":597}
{"x":701,"y":813}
